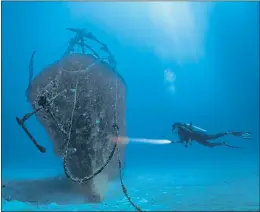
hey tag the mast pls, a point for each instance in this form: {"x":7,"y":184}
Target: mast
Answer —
{"x":81,"y":38}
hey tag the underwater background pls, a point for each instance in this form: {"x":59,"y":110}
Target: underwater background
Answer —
{"x":182,"y":62}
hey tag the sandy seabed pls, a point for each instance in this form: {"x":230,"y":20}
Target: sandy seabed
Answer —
{"x":182,"y":189}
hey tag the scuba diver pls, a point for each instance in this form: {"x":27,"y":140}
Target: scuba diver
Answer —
{"x":188,"y":133}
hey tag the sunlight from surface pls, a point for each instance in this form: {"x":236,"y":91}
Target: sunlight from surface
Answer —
{"x":177,"y":23}
{"x":173,"y":30}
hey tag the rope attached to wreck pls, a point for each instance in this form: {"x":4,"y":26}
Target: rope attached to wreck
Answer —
{"x":44,"y":104}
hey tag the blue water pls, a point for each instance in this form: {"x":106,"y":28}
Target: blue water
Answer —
{"x":182,"y":62}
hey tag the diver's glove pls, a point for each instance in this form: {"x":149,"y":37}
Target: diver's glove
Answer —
{"x":243,"y":135}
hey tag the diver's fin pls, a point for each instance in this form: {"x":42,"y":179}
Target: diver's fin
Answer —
{"x":235,"y":147}
{"x":243,"y":135}
{"x":246,"y":135}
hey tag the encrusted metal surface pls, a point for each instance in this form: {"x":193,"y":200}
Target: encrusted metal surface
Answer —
{"x":85,"y":98}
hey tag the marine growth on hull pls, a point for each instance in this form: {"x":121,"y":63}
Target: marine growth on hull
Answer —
{"x":80,"y":100}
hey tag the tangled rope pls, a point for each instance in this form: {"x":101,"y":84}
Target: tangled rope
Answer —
{"x":44,"y":104}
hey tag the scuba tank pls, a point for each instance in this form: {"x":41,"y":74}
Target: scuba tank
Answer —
{"x":195,"y":128}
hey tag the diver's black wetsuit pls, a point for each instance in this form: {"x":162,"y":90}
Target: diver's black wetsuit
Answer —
{"x":187,"y":134}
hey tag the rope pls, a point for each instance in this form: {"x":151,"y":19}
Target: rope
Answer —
{"x":123,"y":185}
{"x":119,"y":161}
{"x":79,"y":40}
